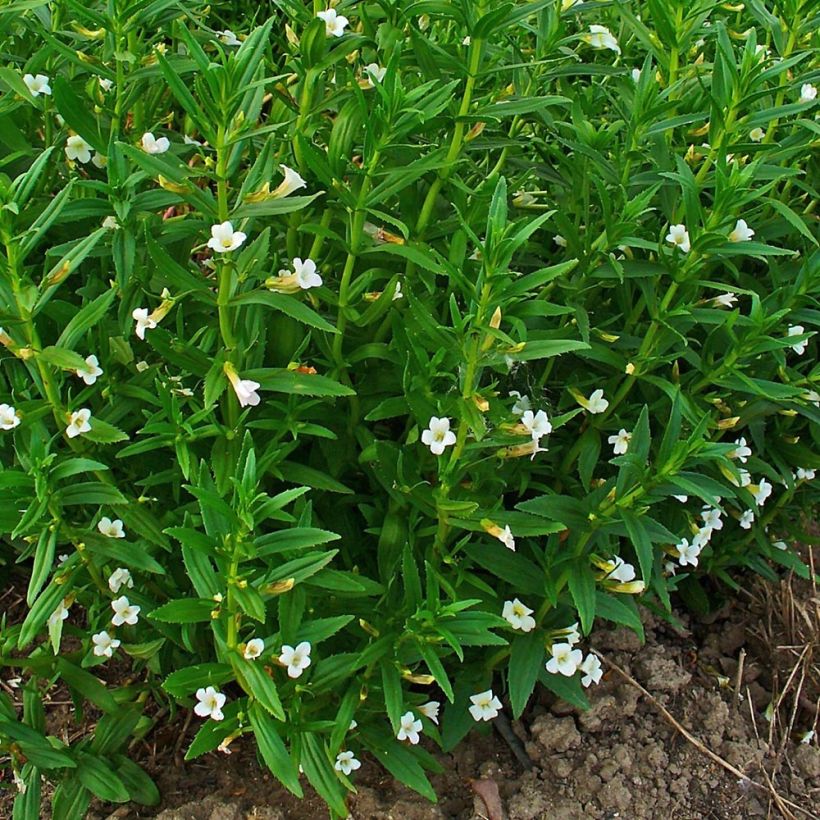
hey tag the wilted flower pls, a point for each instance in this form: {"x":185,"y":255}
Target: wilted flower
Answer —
{"x":741,"y":451}
{"x":763,"y":491}
{"x":565,"y":660}
{"x":518,"y":616}
{"x":112,"y":529}
{"x":346,"y":763}
{"x":798,"y":347}
{"x":59,"y":614}
{"x":596,"y":403}
{"x":91,"y":370}
{"x":808,"y":93}
{"x":620,"y":442}
{"x":430,"y":710}
{"x":119,"y":578}
{"x":725,"y":300}
{"x":334,"y":23}
{"x":537,"y":425}
{"x":559,"y":240}
{"x":679,"y":236}
{"x":296,"y":660}
{"x":154,"y":146}
{"x":76,"y":148}
{"x":144,"y":321}
{"x":104,"y":644}
{"x":292,"y":182}
{"x":253,"y":649}
{"x":37,"y":84}
{"x":591,"y":667}
{"x":228,"y":38}
{"x":741,"y":232}
{"x":78,"y":423}
{"x":522,"y":403}
{"x":224,"y":238}
{"x":209,"y":703}
{"x":124,"y":612}
{"x":8,"y":417}
{"x":757,"y":135}
{"x":438,"y":435}
{"x":601,"y":37}
{"x":747,"y":519}
{"x":409,"y":728}
{"x":486,"y":705}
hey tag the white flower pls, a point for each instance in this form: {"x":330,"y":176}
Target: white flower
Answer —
{"x":409,"y":728}
{"x":306,"y":274}
{"x":538,"y":425}
{"x":757,"y":135}
{"x":702,"y":537}
{"x":742,"y":232}
{"x":467,"y":40}
{"x":38,"y":84}
{"x":780,"y":545}
{"x":687,"y":553}
{"x":636,"y":75}
{"x":253,"y":649}
{"x":59,"y":614}
{"x":438,"y":435}
{"x":99,"y":160}
{"x":711,"y":518}
{"x":559,"y":240}
{"x":105,"y":85}
{"x":346,"y":763}
{"x":591,"y":667}
{"x":522,"y":403}
{"x":292,"y":182}
{"x":798,"y":347}
{"x":334,"y":23}
{"x":807,"y":737}
{"x":374,"y":73}
{"x":518,"y":616}
{"x":807,"y":93}
{"x":224,"y":238}
{"x":679,"y":236}
{"x":725,"y":300}
{"x":565,"y":660}
{"x":296,"y":660}
{"x":113,"y":529}
{"x":397,"y":294}
{"x":745,"y":478}
{"x":814,"y":397}
{"x":620,"y":442}
{"x":681,"y":498}
{"x":621,"y":571}
{"x":763,"y":491}
{"x":8,"y":417}
{"x":228,"y":38}
{"x":154,"y":146}
{"x":506,"y":537}
{"x":104,"y":644}
{"x":124,"y":612}
{"x":805,"y":474}
{"x":741,"y":451}
{"x":91,"y":370}
{"x":747,"y":519}
{"x":572,"y":634}
{"x":245,"y":389}
{"x":209,"y":703}
{"x":485,"y":706}
{"x":430,"y":710}
{"x":78,"y":423}
{"x":119,"y":578}
{"x":76,"y":148}
{"x":601,"y":37}
{"x":596,"y":403}
{"x":143,"y":320}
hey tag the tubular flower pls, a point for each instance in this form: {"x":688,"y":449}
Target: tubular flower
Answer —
{"x":409,"y":728}
{"x":77,"y":149}
{"x":808,"y":93}
{"x":124,"y":612}
{"x":292,"y":182}
{"x":151,"y":145}
{"x":591,"y":667}
{"x":111,"y":529}
{"x":224,"y":238}
{"x":91,"y":371}
{"x":228,"y":38}
{"x":741,"y":451}
{"x":724,"y":300}
{"x":595,"y":404}
{"x":144,"y":322}
{"x":209,"y":703}
{"x":741,"y":232}
{"x":620,"y":441}
{"x":430,"y":710}
{"x":486,"y":706}
{"x":711,"y":518}
{"x":798,"y":347}
{"x":565,"y":660}
{"x":9,"y":419}
{"x":373,"y":73}
{"x":747,"y":519}
{"x":537,"y":425}
{"x":245,"y":389}
{"x":521,"y":405}
{"x":762,"y":492}
{"x":518,"y":616}
{"x":104,"y":644}
{"x":295,"y":659}
{"x":687,"y":553}
{"x":37,"y":84}
{"x":601,"y":37}
{"x":335,"y":24}
{"x":346,"y":763}
{"x":679,"y":237}
{"x":253,"y":649}
{"x":119,"y":578}
{"x":303,"y":277}
{"x":438,"y":435}
{"x":78,"y":423}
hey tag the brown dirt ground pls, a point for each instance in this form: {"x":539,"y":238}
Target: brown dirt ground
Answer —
{"x":621,"y":759}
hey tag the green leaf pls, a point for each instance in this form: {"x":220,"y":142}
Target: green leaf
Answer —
{"x":186,"y":681}
{"x":86,"y":318}
{"x":320,"y":773}
{"x":90,"y":492}
{"x":526,"y":661}
{"x":273,"y":750}
{"x":141,"y":789}
{"x":184,"y":611}
{"x":511,"y":567}
{"x":582,"y":589}
{"x":620,"y":610}
{"x":87,"y":685}
{"x":641,"y":541}
{"x":77,"y":113}
{"x":282,"y":380}
{"x":258,"y":684}
{"x":289,"y":305}
{"x":100,"y":779}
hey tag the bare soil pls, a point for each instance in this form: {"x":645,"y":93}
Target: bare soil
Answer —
{"x":621,"y":759}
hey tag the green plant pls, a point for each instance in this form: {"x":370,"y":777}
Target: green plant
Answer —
{"x":508,"y":238}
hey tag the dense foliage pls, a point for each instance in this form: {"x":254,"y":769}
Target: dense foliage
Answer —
{"x":355,"y":360}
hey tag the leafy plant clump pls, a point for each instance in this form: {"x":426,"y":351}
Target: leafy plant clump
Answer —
{"x":355,"y":359}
